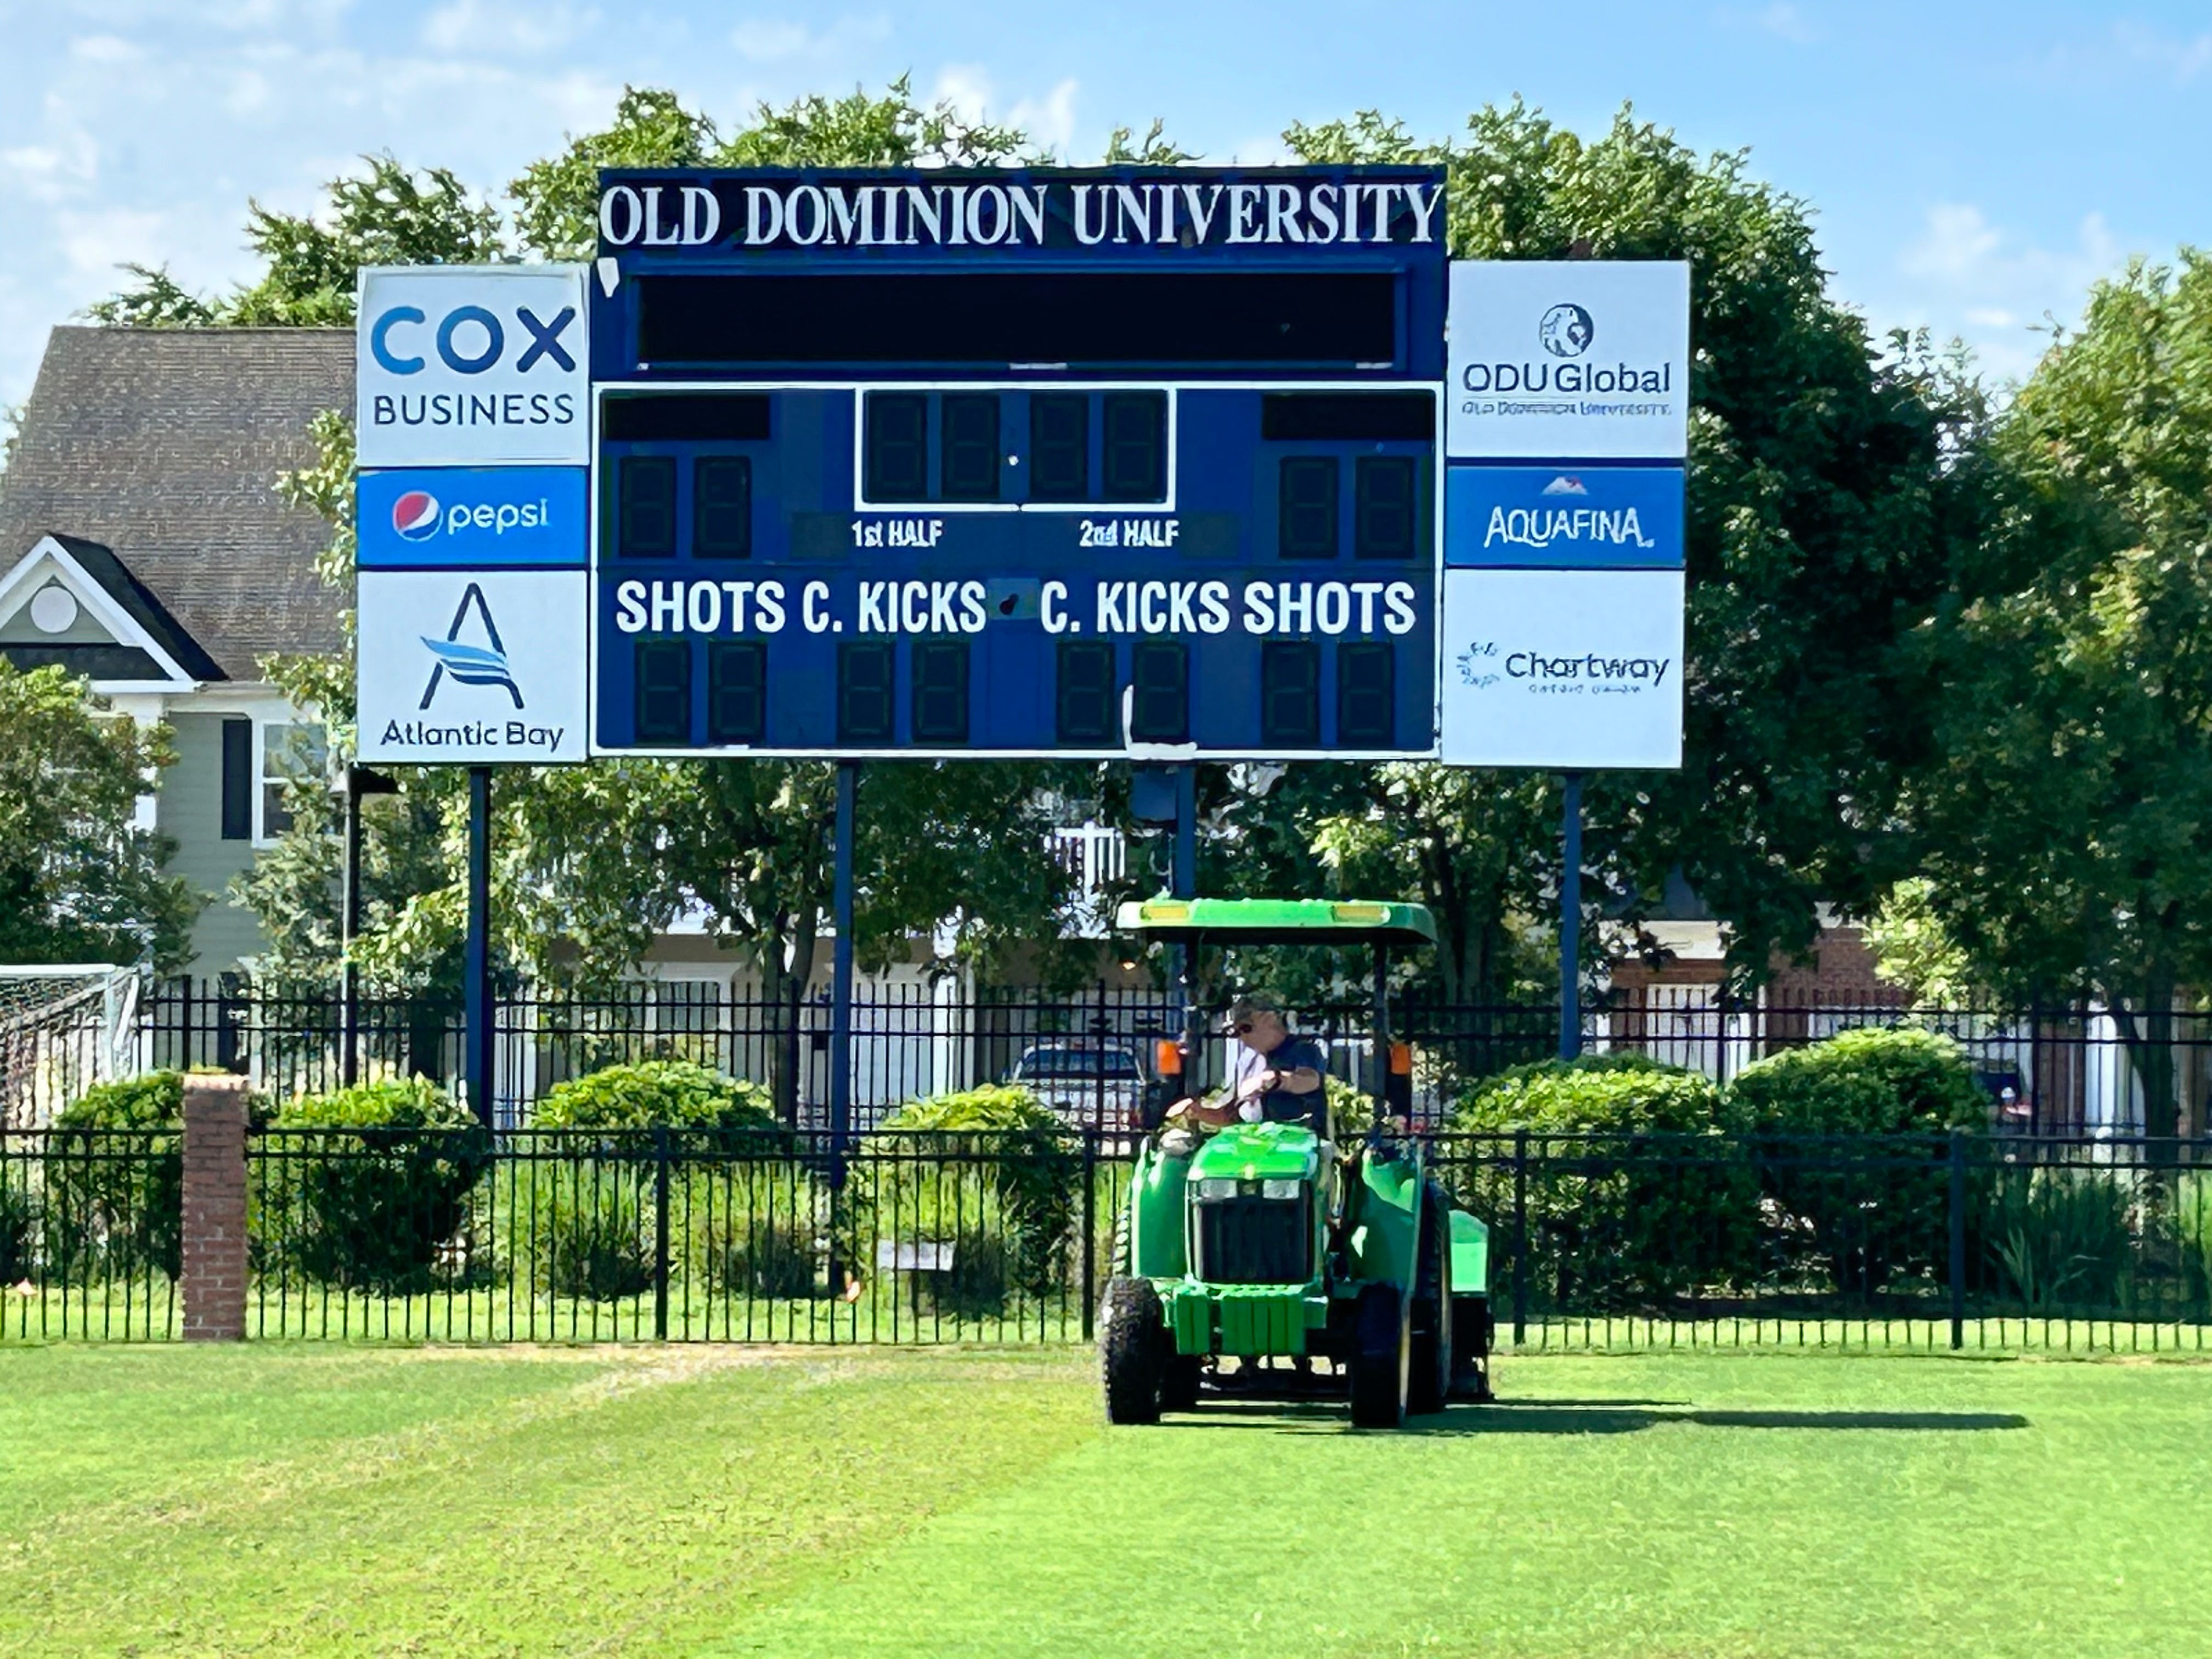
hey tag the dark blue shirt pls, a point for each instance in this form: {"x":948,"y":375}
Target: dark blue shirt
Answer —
{"x":1280,"y":1105}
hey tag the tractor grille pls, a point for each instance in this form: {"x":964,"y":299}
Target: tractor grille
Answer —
{"x":1252,"y":1241}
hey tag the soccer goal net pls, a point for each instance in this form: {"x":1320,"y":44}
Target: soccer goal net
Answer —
{"x":62,"y":1029}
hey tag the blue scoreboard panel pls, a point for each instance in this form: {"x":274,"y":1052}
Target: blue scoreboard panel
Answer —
{"x":1112,"y":462}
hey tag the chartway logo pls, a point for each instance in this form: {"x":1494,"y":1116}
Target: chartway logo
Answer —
{"x":471,"y":665}
{"x":414,"y":516}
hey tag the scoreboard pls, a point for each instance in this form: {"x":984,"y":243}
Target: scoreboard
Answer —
{"x":1100,"y":463}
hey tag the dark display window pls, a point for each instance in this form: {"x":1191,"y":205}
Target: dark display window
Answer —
{"x":968,"y":448}
{"x":1160,"y":708}
{"x":737,"y":691}
{"x":1306,"y":506}
{"x":940,"y":691}
{"x":645,"y":488}
{"x":1087,"y":704}
{"x":864,"y":694}
{"x":664,"y":691}
{"x":898,"y":447}
{"x":722,"y":507}
{"x":1136,"y":429}
{"x":1289,"y":694}
{"x":1366,"y":696}
{"x":1059,"y":447}
{"x":1387,"y":516}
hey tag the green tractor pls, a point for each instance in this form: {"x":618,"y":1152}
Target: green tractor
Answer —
{"x":1272,"y":1245}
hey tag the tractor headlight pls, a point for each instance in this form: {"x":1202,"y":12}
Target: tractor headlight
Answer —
{"x":1216,"y":1188}
{"x":1279,"y":1188}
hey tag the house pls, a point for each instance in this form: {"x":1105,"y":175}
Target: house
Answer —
{"x":142,"y":544}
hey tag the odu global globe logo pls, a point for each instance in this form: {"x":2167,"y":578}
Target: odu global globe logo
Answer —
{"x":414,"y":516}
{"x":1566,"y":329}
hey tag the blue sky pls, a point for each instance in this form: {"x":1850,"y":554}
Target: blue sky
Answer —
{"x":1974,"y":166}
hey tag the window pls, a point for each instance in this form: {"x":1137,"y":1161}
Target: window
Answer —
{"x":1289,"y":694}
{"x":1059,"y":447}
{"x":1136,"y":428}
{"x":737,"y":691}
{"x":644,"y":492}
{"x":1306,"y":508}
{"x":969,"y":448}
{"x":1086,"y":712}
{"x":1389,"y":508}
{"x":1366,"y":696}
{"x":863,"y":693}
{"x":722,"y":507}
{"x":290,"y":754}
{"x":898,"y":447}
{"x":1160,"y":708}
{"x":664,"y":691}
{"x":940,"y":691}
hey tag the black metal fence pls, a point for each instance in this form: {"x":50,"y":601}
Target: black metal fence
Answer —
{"x":1931,"y":1242}
{"x":2068,"y":1070}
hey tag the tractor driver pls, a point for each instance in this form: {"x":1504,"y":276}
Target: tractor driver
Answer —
{"x":1276,"y":1077}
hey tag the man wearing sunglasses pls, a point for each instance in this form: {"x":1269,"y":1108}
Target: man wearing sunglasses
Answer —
{"x":1276,"y":1077}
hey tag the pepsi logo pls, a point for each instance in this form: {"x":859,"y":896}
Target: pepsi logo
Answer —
{"x":414,"y":516}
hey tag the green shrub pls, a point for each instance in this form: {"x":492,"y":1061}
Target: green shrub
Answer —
{"x":673,"y":1094}
{"x":1635,"y":1193}
{"x":2061,"y":1238}
{"x":955,"y":1165}
{"x":116,"y":1207}
{"x":772,"y":1258}
{"x":590,"y":1231}
{"x":2192,"y":1226}
{"x":374,"y":1201}
{"x":19,"y":1231}
{"x":1870,"y":1217}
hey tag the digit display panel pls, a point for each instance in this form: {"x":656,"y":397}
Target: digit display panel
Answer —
{"x":1111,"y":462}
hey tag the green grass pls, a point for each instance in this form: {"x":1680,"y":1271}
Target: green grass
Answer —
{"x":300,"y":1500}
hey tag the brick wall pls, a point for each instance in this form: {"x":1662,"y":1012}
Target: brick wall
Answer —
{"x":214,"y":1209}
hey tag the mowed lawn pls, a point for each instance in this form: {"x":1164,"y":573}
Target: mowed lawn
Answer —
{"x":297,"y":1500}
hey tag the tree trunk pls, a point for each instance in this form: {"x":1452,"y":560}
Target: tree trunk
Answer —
{"x":2147,"y":1035}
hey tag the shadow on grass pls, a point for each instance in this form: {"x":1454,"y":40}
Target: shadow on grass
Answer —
{"x":1576,"y":1417}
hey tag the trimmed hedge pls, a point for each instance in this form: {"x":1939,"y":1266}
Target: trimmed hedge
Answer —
{"x":673,"y":1094}
{"x":1877,"y":1081}
{"x":1656,"y":1218}
{"x":375,"y":1202}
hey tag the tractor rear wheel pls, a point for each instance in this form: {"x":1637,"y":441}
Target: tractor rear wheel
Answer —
{"x":1130,"y":1342}
{"x":1379,"y":1358}
{"x":1430,"y":1382}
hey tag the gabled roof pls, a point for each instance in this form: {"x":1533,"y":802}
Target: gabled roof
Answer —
{"x":128,"y":639}
{"x":158,"y":450}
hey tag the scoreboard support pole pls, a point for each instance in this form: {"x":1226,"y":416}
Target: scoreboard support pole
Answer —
{"x":1571,"y":917}
{"x":476,"y":990}
{"x":1183,"y":878}
{"x":841,"y":979}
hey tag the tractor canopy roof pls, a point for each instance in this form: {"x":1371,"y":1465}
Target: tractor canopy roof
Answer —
{"x":1280,"y":921}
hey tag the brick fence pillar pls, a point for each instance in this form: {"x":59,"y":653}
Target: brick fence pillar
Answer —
{"x":214,"y":1209}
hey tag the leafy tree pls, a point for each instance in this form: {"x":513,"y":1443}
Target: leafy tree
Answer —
{"x":79,"y":880}
{"x":2063,"y":820}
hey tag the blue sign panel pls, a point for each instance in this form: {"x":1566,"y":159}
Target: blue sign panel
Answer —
{"x":490,"y":517}
{"x":1103,"y":464}
{"x":1564,"y":518}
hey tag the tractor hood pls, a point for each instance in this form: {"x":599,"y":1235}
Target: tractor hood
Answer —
{"x":1257,"y":1152}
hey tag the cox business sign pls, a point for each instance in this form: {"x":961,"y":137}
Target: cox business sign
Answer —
{"x":471,"y":363}
{"x":440,"y":517}
{"x":1580,"y":359}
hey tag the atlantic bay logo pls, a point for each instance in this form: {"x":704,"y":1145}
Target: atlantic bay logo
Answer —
{"x":1566,"y":331}
{"x":470,"y":665}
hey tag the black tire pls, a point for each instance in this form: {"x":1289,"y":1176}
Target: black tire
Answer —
{"x":1471,"y":1334}
{"x":1179,"y":1382}
{"x":1430,"y":1365}
{"x":1130,"y":1342}
{"x":1379,"y":1358}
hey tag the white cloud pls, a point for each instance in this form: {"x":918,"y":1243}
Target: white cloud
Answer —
{"x":778,"y":39}
{"x":1997,"y":292}
{"x":1049,"y":120}
{"x":2184,"y":59}
{"x":63,"y":166}
{"x":491,"y":27}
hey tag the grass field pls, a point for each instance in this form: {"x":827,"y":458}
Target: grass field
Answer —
{"x":298,"y":1500}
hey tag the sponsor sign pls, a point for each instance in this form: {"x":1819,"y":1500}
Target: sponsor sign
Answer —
{"x":1569,"y":670}
{"x":443,"y":518}
{"x":1587,"y":359}
{"x":471,"y":666}
{"x":462,"y":364}
{"x":1564,"y":518}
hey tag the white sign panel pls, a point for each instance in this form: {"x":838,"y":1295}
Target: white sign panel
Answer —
{"x":1566,"y":670}
{"x":466,"y":364}
{"x":471,"y":666}
{"x":1569,"y":359}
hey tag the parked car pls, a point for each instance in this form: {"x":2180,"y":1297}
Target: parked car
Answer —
{"x":1083,"y":1079}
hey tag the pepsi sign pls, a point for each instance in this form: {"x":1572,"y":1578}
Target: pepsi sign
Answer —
{"x":456,"y":365}
{"x":472,"y":517}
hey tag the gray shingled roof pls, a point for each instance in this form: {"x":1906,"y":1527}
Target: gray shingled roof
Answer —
{"x":164,"y":444}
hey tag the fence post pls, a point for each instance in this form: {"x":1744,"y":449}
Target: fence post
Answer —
{"x":660,"y":1233}
{"x":1089,"y":1226}
{"x":1519,"y":1237}
{"x":1958,"y":1239}
{"x":214,"y":1209}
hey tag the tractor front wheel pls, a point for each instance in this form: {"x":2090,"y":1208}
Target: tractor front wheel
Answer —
{"x":1379,"y":1359}
{"x":1431,"y":1368}
{"x":1130,"y":1341}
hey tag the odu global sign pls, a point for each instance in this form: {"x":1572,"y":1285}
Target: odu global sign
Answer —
{"x":1123,"y":463}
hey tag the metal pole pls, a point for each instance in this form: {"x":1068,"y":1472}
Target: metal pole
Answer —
{"x":348,"y":926}
{"x":1183,"y":881}
{"x":476,"y":991}
{"x":1380,"y":1040}
{"x":841,"y":978}
{"x":1570,"y":918}
{"x":1957,"y":1220}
